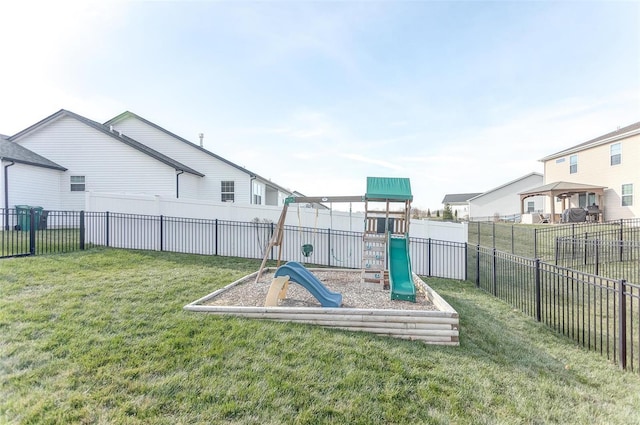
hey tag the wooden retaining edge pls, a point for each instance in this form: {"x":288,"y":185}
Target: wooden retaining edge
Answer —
{"x":431,"y":327}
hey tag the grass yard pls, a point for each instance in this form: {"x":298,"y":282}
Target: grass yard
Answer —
{"x":100,"y":336}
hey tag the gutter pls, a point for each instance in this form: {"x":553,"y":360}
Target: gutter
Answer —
{"x":6,"y":193}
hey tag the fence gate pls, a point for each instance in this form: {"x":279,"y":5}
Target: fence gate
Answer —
{"x":16,"y":238}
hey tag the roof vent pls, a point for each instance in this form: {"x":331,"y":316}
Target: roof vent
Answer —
{"x":201,"y":136}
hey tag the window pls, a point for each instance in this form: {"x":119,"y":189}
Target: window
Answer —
{"x":573,"y":164}
{"x":77,"y":183}
{"x":559,"y":160}
{"x":227,"y":191}
{"x":627,"y":195}
{"x":530,"y":206}
{"x":616,"y":154}
{"x":586,"y":199}
{"x":257,"y":193}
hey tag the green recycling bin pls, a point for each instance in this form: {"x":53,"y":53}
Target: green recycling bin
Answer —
{"x":23,"y":217}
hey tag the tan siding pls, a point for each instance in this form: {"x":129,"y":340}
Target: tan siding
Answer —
{"x":594,"y":167}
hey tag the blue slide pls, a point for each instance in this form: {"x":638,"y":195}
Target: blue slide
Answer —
{"x":299,"y":274}
{"x":400,"y":276}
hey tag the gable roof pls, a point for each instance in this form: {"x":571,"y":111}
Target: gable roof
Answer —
{"x":618,"y":134}
{"x":506,"y":184}
{"x":562,"y":187}
{"x":129,"y":114}
{"x":115,"y":135}
{"x":459,"y":198}
{"x":16,"y":153}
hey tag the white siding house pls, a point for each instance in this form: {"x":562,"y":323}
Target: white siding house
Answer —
{"x":98,"y":159}
{"x":27,"y":178}
{"x":224,"y":181}
{"x":459,"y":203}
{"x":504,"y":200}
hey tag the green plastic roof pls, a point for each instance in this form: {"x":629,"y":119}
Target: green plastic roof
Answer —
{"x":392,"y":188}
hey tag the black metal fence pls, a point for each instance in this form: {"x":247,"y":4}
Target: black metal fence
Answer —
{"x":65,"y":231}
{"x":602,"y":314}
{"x":539,"y":241}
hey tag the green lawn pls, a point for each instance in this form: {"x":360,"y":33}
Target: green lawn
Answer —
{"x":100,"y":336}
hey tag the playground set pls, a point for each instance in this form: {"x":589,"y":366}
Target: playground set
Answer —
{"x":386,"y":263}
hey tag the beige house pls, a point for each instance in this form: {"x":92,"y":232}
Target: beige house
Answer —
{"x":602,"y":172}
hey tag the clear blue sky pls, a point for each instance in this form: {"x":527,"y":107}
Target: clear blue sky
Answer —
{"x":458,"y":96}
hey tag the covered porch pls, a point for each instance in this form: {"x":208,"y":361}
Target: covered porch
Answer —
{"x":563,"y":191}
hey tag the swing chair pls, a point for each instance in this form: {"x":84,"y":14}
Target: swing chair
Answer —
{"x":333,"y":254}
{"x":307,"y":248}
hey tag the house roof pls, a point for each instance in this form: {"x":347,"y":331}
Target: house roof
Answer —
{"x":107,"y":130}
{"x":129,"y":114}
{"x":459,"y":198}
{"x":618,"y":134}
{"x":560,"y":187}
{"x":16,"y":153}
{"x":506,"y":184}
{"x":391,"y":188}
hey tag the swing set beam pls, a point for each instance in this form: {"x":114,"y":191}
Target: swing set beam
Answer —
{"x":320,"y":199}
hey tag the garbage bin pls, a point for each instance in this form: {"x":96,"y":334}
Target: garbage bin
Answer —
{"x":37,"y":219}
{"x":23,"y":218}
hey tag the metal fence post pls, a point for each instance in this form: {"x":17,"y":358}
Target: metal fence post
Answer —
{"x":32,"y":232}
{"x":513,"y":239}
{"x":622,"y":324}
{"x":478,"y":266}
{"x":535,"y":243}
{"x":82,"y":230}
{"x":107,"y":228}
{"x":495,"y":273}
{"x":216,"y":238}
{"x":329,"y":247}
{"x":429,"y":257}
{"x":538,"y":290}
{"x":161,"y":233}
{"x":493,"y":234}
{"x":466,"y":256}
{"x":271,"y":237}
{"x":621,"y":239}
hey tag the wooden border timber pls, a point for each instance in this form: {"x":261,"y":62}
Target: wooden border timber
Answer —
{"x":439,"y":327}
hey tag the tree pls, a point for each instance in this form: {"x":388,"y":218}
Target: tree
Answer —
{"x":447,"y":214}
{"x":428,"y":212}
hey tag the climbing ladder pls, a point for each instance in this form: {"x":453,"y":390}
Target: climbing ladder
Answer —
{"x":378,"y":224}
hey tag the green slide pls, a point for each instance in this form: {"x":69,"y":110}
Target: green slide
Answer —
{"x":400,"y":276}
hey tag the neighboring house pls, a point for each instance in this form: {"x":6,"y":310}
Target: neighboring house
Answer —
{"x":85,"y":155}
{"x":224,"y":181}
{"x":610,"y":164}
{"x":459,"y":203}
{"x":504,"y":200}
{"x":26,"y":176}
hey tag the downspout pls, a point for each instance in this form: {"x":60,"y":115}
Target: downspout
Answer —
{"x":251,"y":189}
{"x":178,"y":182}
{"x":6,"y":193}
